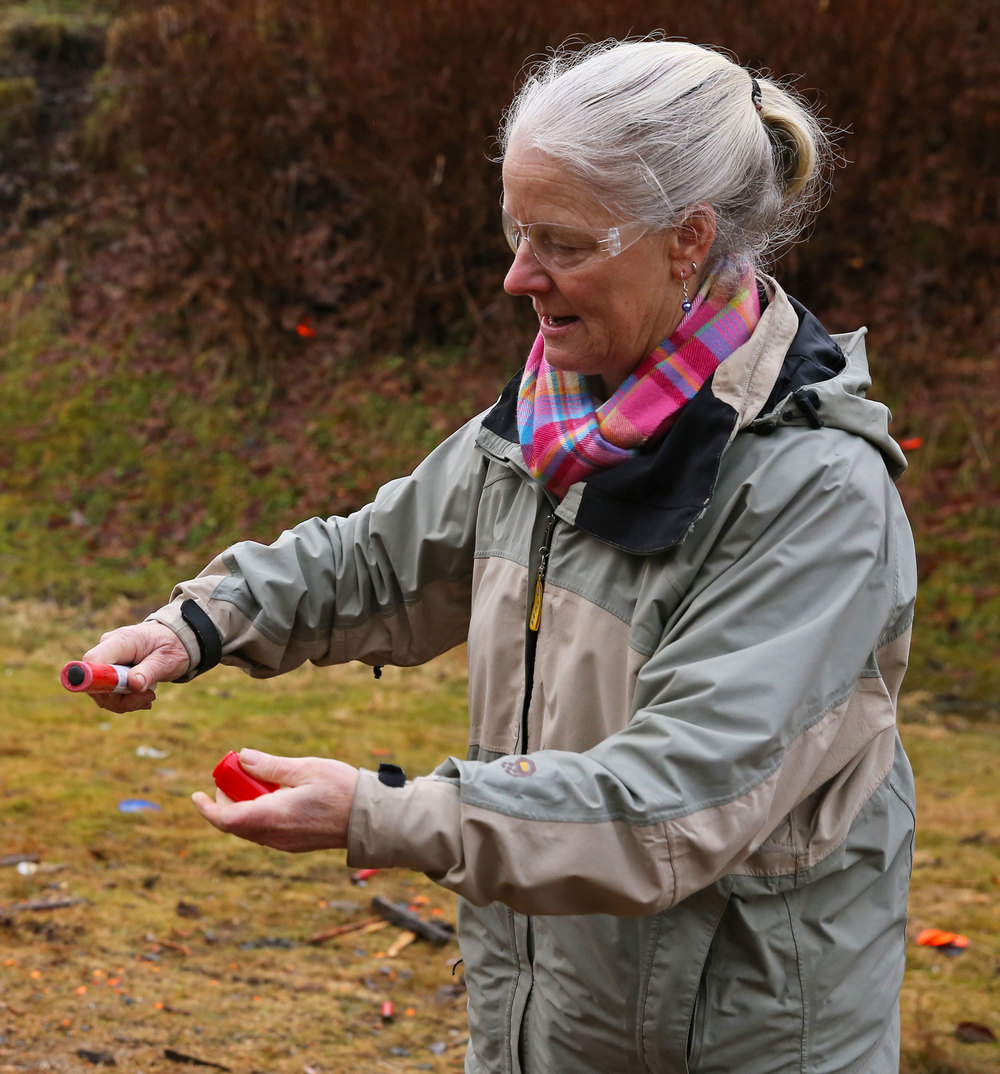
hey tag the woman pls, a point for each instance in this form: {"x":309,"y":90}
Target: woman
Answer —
{"x":682,"y":834}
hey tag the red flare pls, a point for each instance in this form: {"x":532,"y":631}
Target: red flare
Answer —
{"x":940,"y":938}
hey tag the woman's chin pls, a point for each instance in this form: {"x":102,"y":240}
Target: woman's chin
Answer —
{"x":606,"y":375}
{"x":564,"y":352}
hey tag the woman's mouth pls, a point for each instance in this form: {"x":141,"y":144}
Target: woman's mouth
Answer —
{"x":557,"y":322}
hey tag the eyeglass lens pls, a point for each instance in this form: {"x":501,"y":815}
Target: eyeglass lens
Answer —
{"x":557,"y":246}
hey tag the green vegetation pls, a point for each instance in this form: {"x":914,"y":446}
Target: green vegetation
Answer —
{"x":18,"y":105}
{"x":44,"y":32}
{"x":115,"y":478}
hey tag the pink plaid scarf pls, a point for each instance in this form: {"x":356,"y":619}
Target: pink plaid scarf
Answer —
{"x":565,"y":436}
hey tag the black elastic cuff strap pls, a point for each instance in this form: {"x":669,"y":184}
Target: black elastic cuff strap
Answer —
{"x":209,"y":642}
{"x":391,"y":775}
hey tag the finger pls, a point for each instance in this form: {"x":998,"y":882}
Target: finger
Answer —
{"x":124,"y":703}
{"x":161,"y":665}
{"x":152,"y":651}
{"x":230,"y":817}
{"x":126,"y":645}
{"x":218,"y":811}
{"x":273,"y":769}
{"x":207,"y":808}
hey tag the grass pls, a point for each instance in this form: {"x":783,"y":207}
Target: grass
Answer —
{"x":186,"y":939}
{"x":193,"y":941}
{"x":47,"y":18}
{"x":956,"y":883}
{"x":957,"y":653}
{"x":120,"y":472}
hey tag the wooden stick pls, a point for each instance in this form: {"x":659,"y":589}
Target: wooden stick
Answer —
{"x":16,"y":859}
{"x":180,"y":1057}
{"x":172,"y":945}
{"x":340,"y":930}
{"x":39,"y":904}
{"x":402,"y":917}
{"x":373,"y":927}
{"x":401,"y":942}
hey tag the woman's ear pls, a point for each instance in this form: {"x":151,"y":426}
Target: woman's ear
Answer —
{"x":693,"y":237}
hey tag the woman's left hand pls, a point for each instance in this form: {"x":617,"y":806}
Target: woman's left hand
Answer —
{"x":309,"y":811}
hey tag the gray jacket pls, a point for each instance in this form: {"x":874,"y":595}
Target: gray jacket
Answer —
{"x":682,"y":833}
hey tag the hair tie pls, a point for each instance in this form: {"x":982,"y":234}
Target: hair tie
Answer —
{"x":755,"y":94}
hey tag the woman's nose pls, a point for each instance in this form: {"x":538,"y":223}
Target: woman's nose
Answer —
{"x":526,"y":276}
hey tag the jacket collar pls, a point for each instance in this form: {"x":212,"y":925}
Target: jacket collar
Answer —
{"x":649,"y":502}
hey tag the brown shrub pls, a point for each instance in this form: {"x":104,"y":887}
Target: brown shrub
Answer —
{"x":328,"y":165}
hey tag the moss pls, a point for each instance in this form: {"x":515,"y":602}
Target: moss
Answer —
{"x":54,"y":38}
{"x":19,"y":103}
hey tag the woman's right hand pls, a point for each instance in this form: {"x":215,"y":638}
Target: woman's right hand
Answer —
{"x":152,"y":651}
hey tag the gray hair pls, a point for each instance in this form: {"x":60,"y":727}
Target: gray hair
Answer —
{"x":655,"y":127}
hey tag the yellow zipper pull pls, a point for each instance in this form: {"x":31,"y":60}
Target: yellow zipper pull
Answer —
{"x":535,"y":619}
{"x":536,"y":606}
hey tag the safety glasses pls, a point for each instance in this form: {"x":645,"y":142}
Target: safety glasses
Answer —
{"x":563,"y":248}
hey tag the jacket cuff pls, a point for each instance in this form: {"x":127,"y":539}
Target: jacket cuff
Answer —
{"x":415,"y":826}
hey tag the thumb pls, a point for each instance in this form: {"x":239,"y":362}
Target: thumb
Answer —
{"x":153,"y":651}
{"x":268,"y":767}
{"x":157,"y":667}
{"x":166,"y":662}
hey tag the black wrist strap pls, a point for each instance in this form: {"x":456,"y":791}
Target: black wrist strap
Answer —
{"x":391,"y":775}
{"x":209,"y":642}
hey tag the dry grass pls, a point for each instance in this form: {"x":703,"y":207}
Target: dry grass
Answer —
{"x":186,"y":939}
{"x":956,"y":887}
{"x":193,"y":942}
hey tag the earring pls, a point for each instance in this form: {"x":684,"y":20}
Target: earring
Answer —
{"x":686,"y":304}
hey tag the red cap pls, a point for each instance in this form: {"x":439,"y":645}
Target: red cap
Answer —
{"x":236,"y":783}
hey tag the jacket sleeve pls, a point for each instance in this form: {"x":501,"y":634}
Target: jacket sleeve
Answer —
{"x":772,"y":691}
{"x":390,"y":583}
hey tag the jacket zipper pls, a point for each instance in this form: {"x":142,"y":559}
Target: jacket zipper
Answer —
{"x":543,"y":563}
{"x":534,"y":623}
{"x":530,"y":646}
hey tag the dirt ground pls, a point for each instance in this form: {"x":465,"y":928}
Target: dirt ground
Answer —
{"x":159,"y":965}
{"x":134,"y":935}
